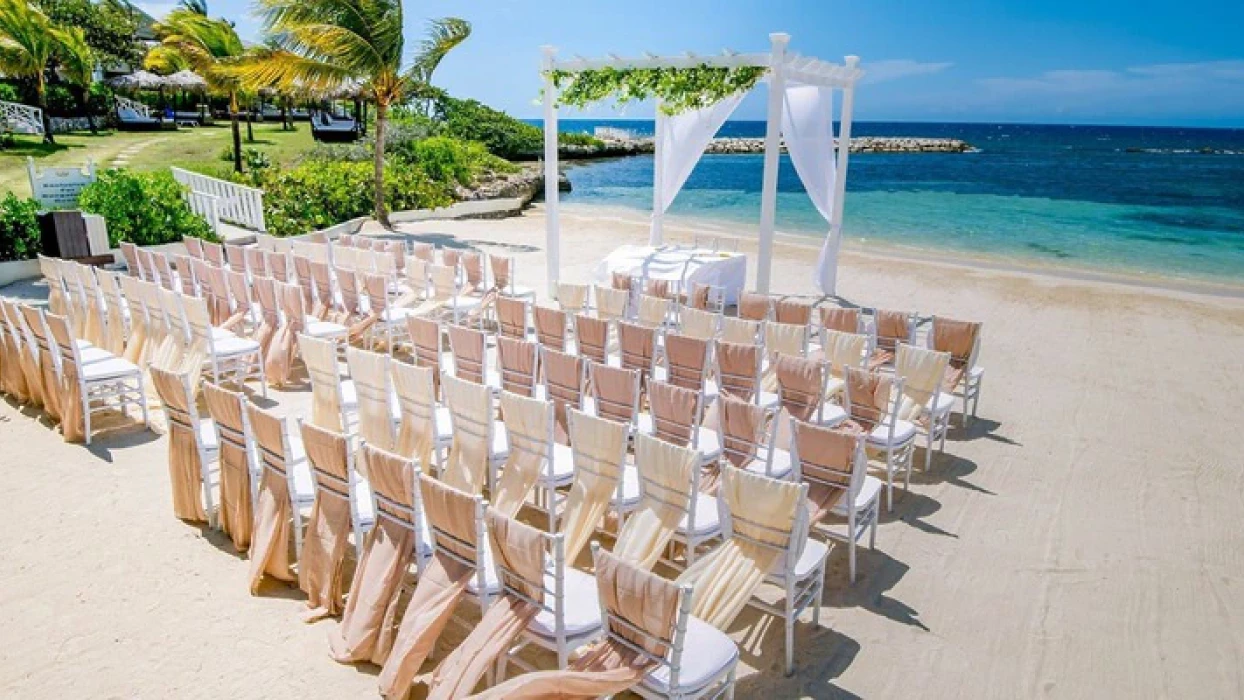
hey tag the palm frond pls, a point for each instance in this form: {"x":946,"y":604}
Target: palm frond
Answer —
{"x":443,"y":36}
{"x":27,"y":42}
{"x":288,"y":73}
{"x":77,"y":61}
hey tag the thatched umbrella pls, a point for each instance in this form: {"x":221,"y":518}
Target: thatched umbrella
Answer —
{"x":186,"y":80}
{"x":138,"y":80}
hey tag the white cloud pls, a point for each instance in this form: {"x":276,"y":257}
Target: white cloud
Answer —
{"x":894,"y":69}
{"x":1136,"y":81}
{"x":155,"y":8}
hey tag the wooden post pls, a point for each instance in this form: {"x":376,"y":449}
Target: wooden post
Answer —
{"x":552,"y":242}
{"x":773,"y":145}
{"x":840,"y":178}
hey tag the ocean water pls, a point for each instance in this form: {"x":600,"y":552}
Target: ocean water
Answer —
{"x":1137,"y":200}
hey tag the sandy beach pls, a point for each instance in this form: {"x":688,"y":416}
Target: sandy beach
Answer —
{"x":1080,"y":539}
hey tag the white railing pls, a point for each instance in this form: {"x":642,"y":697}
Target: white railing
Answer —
{"x":237,"y":204}
{"x":139,"y":108}
{"x":206,"y":206}
{"x":21,"y":119}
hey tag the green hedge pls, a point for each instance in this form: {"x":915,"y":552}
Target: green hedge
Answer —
{"x":19,"y":228}
{"x":318,"y":194}
{"x":502,"y":134}
{"x":449,"y":160}
{"x":146,"y":208}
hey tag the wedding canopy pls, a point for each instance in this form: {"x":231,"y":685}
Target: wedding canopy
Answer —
{"x":800,"y":111}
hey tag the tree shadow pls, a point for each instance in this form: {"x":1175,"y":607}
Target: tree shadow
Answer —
{"x":447,"y":240}
{"x":878,"y":572}
{"x":39,"y":149}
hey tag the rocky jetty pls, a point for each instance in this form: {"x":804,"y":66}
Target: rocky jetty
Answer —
{"x":526,"y":184}
{"x":616,"y":148}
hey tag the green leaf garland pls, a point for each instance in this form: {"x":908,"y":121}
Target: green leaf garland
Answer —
{"x":679,"y":89}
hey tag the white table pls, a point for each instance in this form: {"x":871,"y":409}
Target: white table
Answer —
{"x":677,"y":263}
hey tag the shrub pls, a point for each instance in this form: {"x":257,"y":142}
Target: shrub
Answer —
{"x":502,"y":134}
{"x":145,"y":208}
{"x":450,"y":160}
{"x":578,"y":138}
{"x":61,"y":102}
{"x":19,"y":228}
{"x":338,"y":152}
{"x":8,"y":93}
{"x":318,"y":194}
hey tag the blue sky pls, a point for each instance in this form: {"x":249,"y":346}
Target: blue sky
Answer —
{"x":1062,"y":61}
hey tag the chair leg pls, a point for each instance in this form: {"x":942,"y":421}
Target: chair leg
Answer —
{"x":872,"y":537}
{"x":86,"y":415}
{"x":263,"y":379}
{"x":851,"y":556}
{"x":142,"y":402}
{"x":928,"y":448}
{"x":790,"y":626}
{"x":889,"y":479}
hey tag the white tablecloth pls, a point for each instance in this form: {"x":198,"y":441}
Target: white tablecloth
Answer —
{"x":679,"y":263}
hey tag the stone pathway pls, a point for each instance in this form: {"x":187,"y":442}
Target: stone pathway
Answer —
{"x":122,"y":158}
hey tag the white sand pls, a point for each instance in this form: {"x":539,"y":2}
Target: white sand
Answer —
{"x":1081,"y":539}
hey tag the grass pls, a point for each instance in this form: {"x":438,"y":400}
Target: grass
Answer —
{"x":197,"y":149}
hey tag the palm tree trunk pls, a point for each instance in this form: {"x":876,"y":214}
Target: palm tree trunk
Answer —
{"x":84,"y":102}
{"x":42,"y":95}
{"x":382,"y":116}
{"x":250,"y":132}
{"x":237,"y":132}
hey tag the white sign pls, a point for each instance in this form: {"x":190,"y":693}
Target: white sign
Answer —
{"x":58,"y":188}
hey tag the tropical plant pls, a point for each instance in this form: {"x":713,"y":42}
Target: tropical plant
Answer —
{"x":77,"y":67}
{"x":324,"y":45}
{"x":145,"y":208}
{"x":110,"y":26}
{"x":504,"y":135}
{"x":451,"y":160}
{"x":20,"y":238}
{"x":679,"y":89}
{"x":28,"y":41}
{"x":214,"y":50}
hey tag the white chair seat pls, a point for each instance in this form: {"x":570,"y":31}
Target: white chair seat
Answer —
{"x":207,"y":435}
{"x":235,"y":346}
{"x":349,"y":395}
{"x":630,"y":488}
{"x":707,"y":654}
{"x":323,"y":329}
{"x":707,"y":520}
{"x":780,"y":467}
{"x":500,"y":442}
{"x":108,"y":369}
{"x":813,"y":553}
{"x":869,"y":491}
{"x":945,"y":402}
{"x":769,"y":399}
{"x":831,"y":414}
{"x":492,"y":584}
{"x":92,"y":354}
{"x":880,"y":435}
{"x":462,"y":303}
{"x":444,"y":424}
{"x":395,"y":315}
{"x":581,"y":606}
{"x":563,"y":465}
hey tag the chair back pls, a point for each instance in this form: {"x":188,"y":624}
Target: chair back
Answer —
{"x":185,"y":272}
{"x":320,"y":357}
{"x":518,"y":363}
{"x":962,"y":339}
{"x":738,"y":369}
{"x":502,"y":267}
{"x":616,"y":392}
{"x":550,"y":327}
{"x":468,"y":347}
{"x":894,"y":327}
{"x":743,"y":427}
{"x":564,"y":379}
{"x":456,"y":520}
{"x":348,"y":288}
{"x":611,"y":303}
{"x":740,"y":330}
{"x":213,"y":253}
{"x":923,"y":371}
{"x":392,"y":479}
{"x":675,"y":413}
{"x":686,"y":360}
{"x":256,"y":262}
{"x":572,"y":298}
{"x":786,"y":338}
{"x":835,"y":318}
{"x":643,"y":612}
{"x":638,"y":345}
{"x":416,"y":398}
{"x":801,"y":385}
{"x":424,"y":251}
{"x":844,"y":349}
{"x":271,"y":434}
{"x":592,"y":337}
{"x":872,"y":398}
{"x":754,"y":307}
{"x":511,"y":318}
{"x":194,"y":246}
{"x":235,"y":255}
{"x":473,"y":270}
{"x":831,"y":461}
{"x":133,"y":265}
{"x":370,"y":373}
{"x":425,"y":335}
{"x":695,"y":323}
{"x":653,"y":311}
{"x":793,"y":311}
{"x":471,"y":412}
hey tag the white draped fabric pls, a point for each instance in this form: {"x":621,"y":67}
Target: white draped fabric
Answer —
{"x":680,"y":141}
{"x":808,"y":129}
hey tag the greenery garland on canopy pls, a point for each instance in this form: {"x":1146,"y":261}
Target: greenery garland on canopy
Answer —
{"x":679,"y":89}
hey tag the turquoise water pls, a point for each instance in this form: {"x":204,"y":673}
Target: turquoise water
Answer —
{"x":1151,"y":201}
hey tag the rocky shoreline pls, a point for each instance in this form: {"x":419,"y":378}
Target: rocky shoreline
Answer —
{"x":617,"y":148}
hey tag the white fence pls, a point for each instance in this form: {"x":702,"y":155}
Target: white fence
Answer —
{"x":21,"y":119}
{"x":206,"y":206}
{"x":137,"y":107}
{"x":233,"y":203}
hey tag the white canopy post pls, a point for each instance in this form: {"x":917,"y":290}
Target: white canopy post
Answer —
{"x":840,"y":191}
{"x":768,"y":190}
{"x":657,"y":234}
{"x":552,"y":240}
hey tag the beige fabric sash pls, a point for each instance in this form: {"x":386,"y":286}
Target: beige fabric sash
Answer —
{"x":273,"y":532}
{"x":217,"y":295}
{"x":416,"y":394}
{"x":376,"y":288}
{"x":611,"y":303}
{"x":959,"y":338}
{"x":519,"y":548}
{"x":502,"y":270}
{"x":753,"y":306}
{"x":592,"y":336}
{"x":347,"y":312}
{"x":226,"y":409}
{"x":826,"y":463}
{"x":844,"y":349}
{"x":793,"y":311}
{"x":279,"y":360}
{"x":563,"y":375}
{"x":739,"y":330}
{"x":695,"y":323}
{"x":321,"y":563}
{"x":114,"y":341}
{"x":302,"y":270}
{"x":512,"y":318}
{"x":764,"y":517}
{"x":551,"y":327}
{"x":653,"y":310}
{"x":674,"y":411}
{"x":424,"y":251}
{"x":72,"y":426}
{"x":799,"y":382}
{"x":320,"y":357}
{"x":599,"y":449}
{"x":786,"y":338}
{"x":451,"y":257}
{"x":425,"y":334}
{"x":742,"y":430}
{"x":370,"y":372}
{"x":517,"y":360}
{"x":572,"y":297}
{"x":136,"y":343}
{"x":278,"y":266}
{"x":666,"y":473}
{"x":269,"y":313}
{"x":658,"y":288}
{"x":324,"y":308}
{"x":892,"y":328}
{"x":616,"y":392}
{"x":738,"y":368}
{"x":440,"y":586}
{"x":185,"y":469}
{"x":841,"y":320}
{"x":470,"y":406}
{"x":239,"y":291}
{"x":47,"y":381}
{"x":622,"y":281}
{"x":638,"y":347}
{"x":923,"y":372}
{"x":698,"y":299}
{"x":468,"y":346}
{"x":687,"y":358}
{"x":28,"y":354}
{"x":868,"y":398}
{"x":529,"y":424}
{"x":367,"y":625}
{"x":644,"y":600}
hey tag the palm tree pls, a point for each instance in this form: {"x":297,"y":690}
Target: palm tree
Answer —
{"x":213,"y":49}
{"x":28,"y":40}
{"x":322,"y":45}
{"x":77,"y":67}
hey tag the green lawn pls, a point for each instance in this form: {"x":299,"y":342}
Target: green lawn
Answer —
{"x":197,"y":149}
